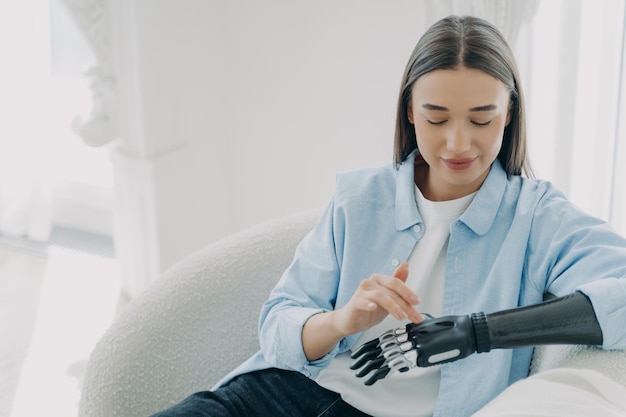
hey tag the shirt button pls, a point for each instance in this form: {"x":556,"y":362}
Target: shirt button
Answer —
{"x":395,"y":262}
{"x":417,"y":228}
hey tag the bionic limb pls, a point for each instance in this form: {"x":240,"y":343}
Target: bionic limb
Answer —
{"x":565,"y":320}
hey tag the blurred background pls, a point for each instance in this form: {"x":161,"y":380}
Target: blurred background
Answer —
{"x":134,"y":132}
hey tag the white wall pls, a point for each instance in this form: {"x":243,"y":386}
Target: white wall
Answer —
{"x":264,"y":102}
{"x":241,"y":111}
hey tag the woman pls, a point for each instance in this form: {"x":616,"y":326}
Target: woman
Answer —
{"x":450,"y":228}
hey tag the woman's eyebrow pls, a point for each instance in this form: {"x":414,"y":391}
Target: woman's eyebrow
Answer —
{"x":488,"y":107}
{"x":429,"y":106}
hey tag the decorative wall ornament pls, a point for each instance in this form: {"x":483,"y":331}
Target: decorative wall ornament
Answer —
{"x":101,"y":125}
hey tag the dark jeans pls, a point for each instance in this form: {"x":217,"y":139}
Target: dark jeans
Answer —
{"x":271,"y":392}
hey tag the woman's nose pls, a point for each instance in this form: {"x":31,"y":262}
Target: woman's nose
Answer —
{"x":458,"y":140}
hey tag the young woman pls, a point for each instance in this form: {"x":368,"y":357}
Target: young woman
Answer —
{"x":451,"y":228}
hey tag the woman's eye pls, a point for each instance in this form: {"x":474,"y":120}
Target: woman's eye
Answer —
{"x":487,"y":123}
{"x":432,"y":122}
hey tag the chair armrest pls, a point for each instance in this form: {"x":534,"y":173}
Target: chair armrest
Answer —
{"x":197,"y":322}
{"x":611,"y":363}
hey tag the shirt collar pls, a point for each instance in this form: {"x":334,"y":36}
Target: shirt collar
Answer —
{"x":479,"y":216}
{"x":407,"y":214}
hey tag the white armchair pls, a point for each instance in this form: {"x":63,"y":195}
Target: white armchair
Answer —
{"x":199,"y":321}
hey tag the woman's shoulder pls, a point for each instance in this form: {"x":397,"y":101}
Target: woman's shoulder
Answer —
{"x":367,"y":181}
{"x":540,"y":190}
{"x":546,"y":200}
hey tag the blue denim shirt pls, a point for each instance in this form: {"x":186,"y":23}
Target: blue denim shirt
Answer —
{"x":518,"y":239}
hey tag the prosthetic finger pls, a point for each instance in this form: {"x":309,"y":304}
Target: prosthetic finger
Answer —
{"x":370,"y":365}
{"x":377,"y":374}
{"x":565,"y":320}
{"x":366,"y":356}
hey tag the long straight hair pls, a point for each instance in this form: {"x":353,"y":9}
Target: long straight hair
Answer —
{"x":470,"y":42}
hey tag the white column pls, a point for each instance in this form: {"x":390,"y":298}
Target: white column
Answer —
{"x":136,"y":225}
{"x":117,"y":119}
{"x":135,"y":222}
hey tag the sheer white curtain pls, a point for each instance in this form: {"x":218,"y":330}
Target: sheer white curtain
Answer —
{"x":574,"y":55}
{"x":25,"y":198}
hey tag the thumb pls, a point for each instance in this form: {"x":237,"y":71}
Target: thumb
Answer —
{"x":402,"y":271}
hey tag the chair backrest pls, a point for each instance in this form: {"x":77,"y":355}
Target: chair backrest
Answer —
{"x":195,"y":324}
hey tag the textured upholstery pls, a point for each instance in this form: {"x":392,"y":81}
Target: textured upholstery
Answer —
{"x":199,"y":321}
{"x":196,"y":323}
{"x":610,"y":363}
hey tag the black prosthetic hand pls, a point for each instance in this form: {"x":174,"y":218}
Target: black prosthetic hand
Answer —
{"x":564,"y":320}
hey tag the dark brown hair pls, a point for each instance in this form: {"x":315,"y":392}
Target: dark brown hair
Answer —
{"x":469,"y":42}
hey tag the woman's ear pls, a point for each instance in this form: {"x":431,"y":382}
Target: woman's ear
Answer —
{"x":410,"y":113}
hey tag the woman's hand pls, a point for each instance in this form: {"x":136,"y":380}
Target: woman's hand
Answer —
{"x":376,"y":297}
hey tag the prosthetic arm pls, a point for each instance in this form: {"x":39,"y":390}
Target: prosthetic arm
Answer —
{"x":565,"y":320}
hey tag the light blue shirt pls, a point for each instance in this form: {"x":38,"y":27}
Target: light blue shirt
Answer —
{"x":518,"y":240}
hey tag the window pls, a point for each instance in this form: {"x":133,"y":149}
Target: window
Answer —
{"x":50,"y":176}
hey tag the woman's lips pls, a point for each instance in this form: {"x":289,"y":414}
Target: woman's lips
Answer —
{"x":459,"y":164}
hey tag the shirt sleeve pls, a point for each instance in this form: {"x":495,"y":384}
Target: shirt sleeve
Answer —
{"x":307,"y":287}
{"x":578,"y":252}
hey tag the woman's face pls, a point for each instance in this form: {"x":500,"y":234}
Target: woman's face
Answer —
{"x":459,"y":118}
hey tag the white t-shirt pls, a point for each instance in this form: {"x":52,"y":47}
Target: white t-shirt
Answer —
{"x":412,"y":393}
